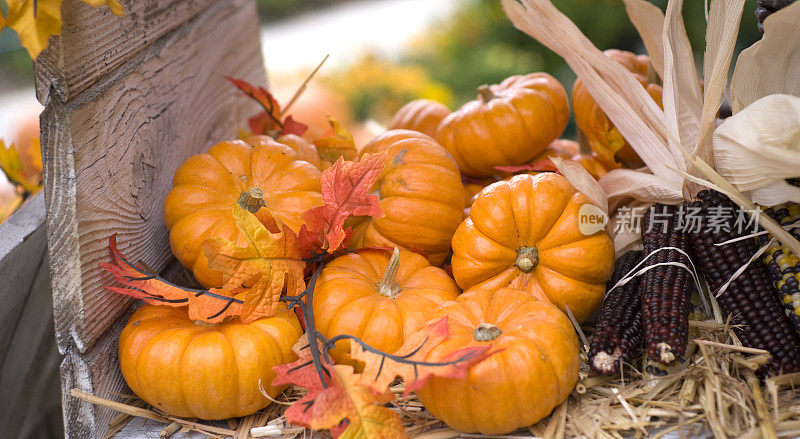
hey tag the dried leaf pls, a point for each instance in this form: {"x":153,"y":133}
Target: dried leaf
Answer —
{"x":23,"y":166}
{"x":583,"y":181}
{"x":212,"y":306}
{"x":380,"y":370}
{"x":772,"y":64}
{"x":36,"y":21}
{"x":291,"y":126}
{"x":760,"y":145}
{"x":268,"y":266}
{"x":340,"y":399}
{"x":649,"y":21}
{"x":268,"y":121}
{"x":346,"y":191}
{"x":336,"y":143}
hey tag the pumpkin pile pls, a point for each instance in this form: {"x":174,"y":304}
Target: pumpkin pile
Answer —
{"x":372,"y":247}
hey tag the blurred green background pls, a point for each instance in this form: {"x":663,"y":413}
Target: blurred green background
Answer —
{"x":476,"y":45}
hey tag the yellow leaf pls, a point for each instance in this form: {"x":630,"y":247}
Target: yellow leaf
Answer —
{"x":35,"y":27}
{"x":113,"y":5}
{"x":268,"y":266}
{"x":34,"y":30}
{"x":24,"y":169}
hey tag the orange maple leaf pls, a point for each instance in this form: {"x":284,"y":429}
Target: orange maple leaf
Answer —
{"x":268,"y":266}
{"x":212,"y":306}
{"x":408,"y":362}
{"x":267,"y":121}
{"x":340,"y":399}
{"x":346,"y":188}
{"x":336,"y":143}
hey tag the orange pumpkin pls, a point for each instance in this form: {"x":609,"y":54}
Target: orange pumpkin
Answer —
{"x":602,"y":135}
{"x":421,"y":195}
{"x":523,"y":233}
{"x":423,"y":115}
{"x":509,"y":124}
{"x":206,"y":186}
{"x":379,"y":297}
{"x":200,"y":371}
{"x":304,"y":149}
{"x":534,"y":370}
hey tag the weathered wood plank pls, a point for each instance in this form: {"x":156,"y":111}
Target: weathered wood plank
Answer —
{"x":111,"y":150}
{"x":22,"y":249}
{"x":71,"y":65}
{"x":28,"y":355}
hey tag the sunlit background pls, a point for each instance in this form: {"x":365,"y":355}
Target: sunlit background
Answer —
{"x":384,"y":53}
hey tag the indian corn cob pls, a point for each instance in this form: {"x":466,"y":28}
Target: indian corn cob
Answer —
{"x":618,"y":335}
{"x":750,"y":299}
{"x":782,"y":263}
{"x":666,"y":289}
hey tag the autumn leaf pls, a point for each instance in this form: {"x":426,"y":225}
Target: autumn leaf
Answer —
{"x":291,"y":126}
{"x":408,"y":362}
{"x":212,"y":306}
{"x":36,"y":21}
{"x":544,"y":165}
{"x":336,"y":143}
{"x":342,"y":397}
{"x":23,"y":166}
{"x":265,"y":268}
{"x":268,"y":121}
{"x":346,"y":188}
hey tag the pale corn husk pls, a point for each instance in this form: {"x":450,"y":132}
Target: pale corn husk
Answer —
{"x":771,"y":65}
{"x":760,"y":146}
{"x":676,"y":143}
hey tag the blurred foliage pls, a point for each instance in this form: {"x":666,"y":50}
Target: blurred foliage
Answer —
{"x":376,"y":88}
{"x":272,"y":10}
{"x":16,"y":67}
{"x":478,"y":44}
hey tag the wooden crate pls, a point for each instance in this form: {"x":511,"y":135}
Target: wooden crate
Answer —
{"x":127,"y":99}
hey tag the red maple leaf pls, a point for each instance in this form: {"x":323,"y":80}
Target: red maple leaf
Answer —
{"x":268,"y":120}
{"x":291,"y":126}
{"x":346,"y":188}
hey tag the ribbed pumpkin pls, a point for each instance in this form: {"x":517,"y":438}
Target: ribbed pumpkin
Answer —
{"x":379,"y":297}
{"x":206,"y":186}
{"x":602,"y":135}
{"x":421,"y":195}
{"x":509,"y":123}
{"x":423,"y":115}
{"x":304,"y":149}
{"x":534,"y":371}
{"x":200,"y":371}
{"x":523,"y":233}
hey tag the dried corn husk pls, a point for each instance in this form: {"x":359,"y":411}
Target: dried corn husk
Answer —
{"x":676,"y":143}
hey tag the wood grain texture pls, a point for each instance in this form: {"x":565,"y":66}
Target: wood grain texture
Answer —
{"x":110,"y":152}
{"x":125,"y":103}
{"x":114,"y":41}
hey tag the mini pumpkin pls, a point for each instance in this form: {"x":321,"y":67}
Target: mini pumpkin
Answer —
{"x":207,"y":372}
{"x":524,"y":233}
{"x":509,"y":124}
{"x":423,"y":115}
{"x":603,"y":137}
{"x":304,"y":149}
{"x":534,"y":368}
{"x":421,"y":196}
{"x":267,"y":175}
{"x":379,"y":297}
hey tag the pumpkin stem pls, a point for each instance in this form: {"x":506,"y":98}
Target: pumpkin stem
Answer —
{"x":251,"y":200}
{"x":387,"y":287}
{"x":486,"y":93}
{"x":487,"y":332}
{"x":527,"y":259}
